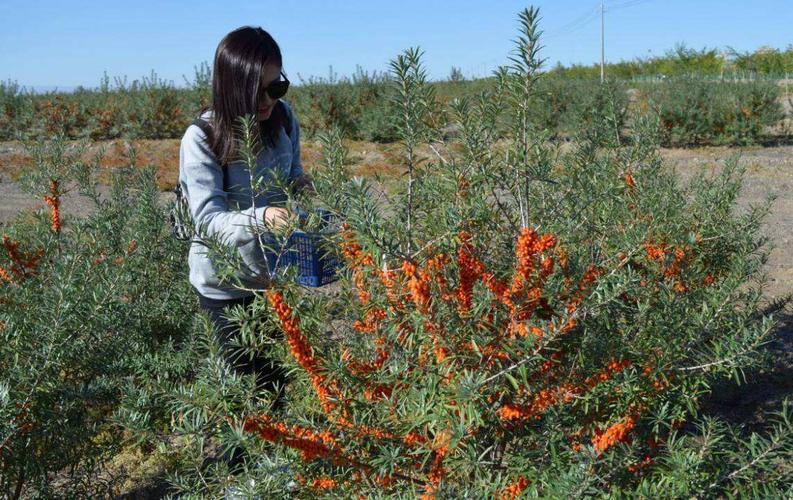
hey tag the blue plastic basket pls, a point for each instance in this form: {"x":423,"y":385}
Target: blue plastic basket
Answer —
{"x":316,"y":263}
{"x":316,"y":266}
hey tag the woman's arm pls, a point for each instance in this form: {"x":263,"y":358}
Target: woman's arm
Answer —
{"x":202,"y":181}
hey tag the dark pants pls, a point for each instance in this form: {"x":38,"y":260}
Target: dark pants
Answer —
{"x":269,"y":374}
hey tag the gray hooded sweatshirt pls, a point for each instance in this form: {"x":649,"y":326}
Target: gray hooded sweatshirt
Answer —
{"x":231,"y":213}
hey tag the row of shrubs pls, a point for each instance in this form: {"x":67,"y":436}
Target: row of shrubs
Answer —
{"x":693,"y":111}
{"x":764,"y":62}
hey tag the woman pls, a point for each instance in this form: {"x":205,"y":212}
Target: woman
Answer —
{"x":246,"y":80}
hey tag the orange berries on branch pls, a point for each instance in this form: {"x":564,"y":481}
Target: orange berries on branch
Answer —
{"x":298,"y":344}
{"x":371,"y":320}
{"x":514,"y":490}
{"x":672,"y":262}
{"x":418,"y":283}
{"x":543,"y":399}
{"x":323,"y":484}
{"x":302,"y":352}
{"x":357,"y":260}
{"x":617,"y":433}
{"x":312,"y":445}
{"x":528,"y":247}
{"x":629,"y":182}
{"x":23,"y":264}
{"x":327,"y":390}
{"x":470,"y":269}
{"x":419,"y":316}
{"x":358,"y":368}
{"x":53,"y":200}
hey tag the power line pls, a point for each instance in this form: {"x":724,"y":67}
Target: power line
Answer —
{"x":626,"y":4}
{"x":587,"y":17}
{"x":576,"y":23}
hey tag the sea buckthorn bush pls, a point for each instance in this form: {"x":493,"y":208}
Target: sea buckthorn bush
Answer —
{"x":92,"y":310}
{"x":15,"y":113}
{"x":699,"y":112}
{"x":514,"y":321}
{"x":570,"y":106}
{"x":150,"y":108}
{"x":357,"y":105}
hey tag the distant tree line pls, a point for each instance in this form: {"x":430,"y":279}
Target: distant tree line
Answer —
{"x":687,"y":61}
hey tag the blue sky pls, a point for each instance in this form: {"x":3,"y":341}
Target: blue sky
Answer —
{"x":57,"y":43}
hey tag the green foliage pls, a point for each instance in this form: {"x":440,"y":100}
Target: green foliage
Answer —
{"x":105,"y":304}
{"x":14,"y":111}
{"x":456,"y":75}
{"x":765,"y":61}
{"x":717,"y":458}
{"x":568,"y":107}
{"x":150,"y":108}
{"x":683,"y":61}
{"x":356,"y":105}
{"x":697,"y":112}
{"x":362,"y":106}
{"x":513,"y":319}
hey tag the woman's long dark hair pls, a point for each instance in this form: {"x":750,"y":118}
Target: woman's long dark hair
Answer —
{"x":236,"y":87}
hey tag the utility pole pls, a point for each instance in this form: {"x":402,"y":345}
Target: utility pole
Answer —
{"x":602,"y":42}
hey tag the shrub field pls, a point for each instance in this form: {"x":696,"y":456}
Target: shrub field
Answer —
{"x":695,"y":110}
{"x":537,"y":308}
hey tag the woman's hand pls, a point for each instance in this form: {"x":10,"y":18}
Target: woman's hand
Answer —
{"x":303,"y":183}
{"x":276,"y":218}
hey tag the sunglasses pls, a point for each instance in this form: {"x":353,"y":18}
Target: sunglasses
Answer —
{"x":278,"y":89}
